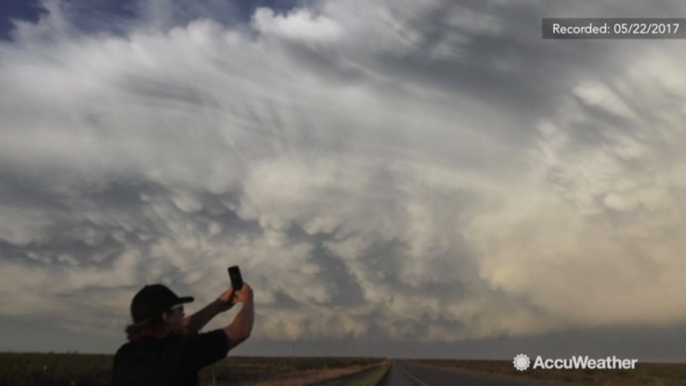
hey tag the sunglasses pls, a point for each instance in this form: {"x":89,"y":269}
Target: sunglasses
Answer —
{"x":177,"y":307}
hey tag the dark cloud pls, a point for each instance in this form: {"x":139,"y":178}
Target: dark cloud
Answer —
{"x":18,"y":10}
{"x":648,"y":344}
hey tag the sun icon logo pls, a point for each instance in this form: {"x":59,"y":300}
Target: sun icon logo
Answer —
{"x":521,"y":362}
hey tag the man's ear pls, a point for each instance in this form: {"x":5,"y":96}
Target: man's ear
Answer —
{"x":165,"y":316}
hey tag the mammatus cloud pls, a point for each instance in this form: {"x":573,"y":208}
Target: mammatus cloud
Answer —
{"x":613,"y":158}
{"x":422,"y":171}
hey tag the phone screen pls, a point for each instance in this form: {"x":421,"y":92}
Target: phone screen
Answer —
{"x":236,"y":278}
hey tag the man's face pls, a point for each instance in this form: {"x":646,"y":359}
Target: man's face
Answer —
{"x":174,"y":319}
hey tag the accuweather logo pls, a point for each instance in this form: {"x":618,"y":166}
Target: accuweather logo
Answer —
{"x":522,"y":362}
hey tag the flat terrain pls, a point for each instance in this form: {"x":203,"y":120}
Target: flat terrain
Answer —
{"x":254,"y":371}
{"x":96,"y":370}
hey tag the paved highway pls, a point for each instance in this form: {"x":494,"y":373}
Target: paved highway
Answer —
{"x":405,"y":374}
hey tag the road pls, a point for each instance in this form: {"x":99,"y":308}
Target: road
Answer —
{"x":405,"y":374}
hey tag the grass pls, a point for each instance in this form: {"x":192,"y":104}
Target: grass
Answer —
{"x":55,"y":369}
{"x":645,"y":374}
{"x":281,"y":371}
{"x":369,"y":376}
{"x":18,"y":369}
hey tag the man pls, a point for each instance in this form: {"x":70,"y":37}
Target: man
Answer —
{"x":166,"y":348}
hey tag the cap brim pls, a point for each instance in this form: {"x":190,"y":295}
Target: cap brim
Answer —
{"x":186,"y":299}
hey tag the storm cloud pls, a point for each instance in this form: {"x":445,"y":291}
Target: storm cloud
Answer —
{"x":411,"y":171}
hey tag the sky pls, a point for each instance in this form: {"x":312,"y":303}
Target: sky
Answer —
{"x":394,"y":178}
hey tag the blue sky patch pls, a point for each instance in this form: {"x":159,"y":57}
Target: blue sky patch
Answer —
{"x":114,"y":16}
{"x":27,"y":10}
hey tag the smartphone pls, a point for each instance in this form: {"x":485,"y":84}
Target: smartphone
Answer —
{"x":236,"y":278}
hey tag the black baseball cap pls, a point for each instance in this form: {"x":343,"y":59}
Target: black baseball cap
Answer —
{"x":153,"y":300}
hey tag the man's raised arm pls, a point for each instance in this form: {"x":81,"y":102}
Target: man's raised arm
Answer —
{"x":240,"y":329}
{"x":194,"y":323}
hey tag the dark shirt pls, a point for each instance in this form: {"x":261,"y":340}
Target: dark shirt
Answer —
{"x":169,"y":361}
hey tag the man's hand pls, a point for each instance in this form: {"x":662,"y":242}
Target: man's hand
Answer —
{"x":227,"y":299}
{"x":244,"y":294}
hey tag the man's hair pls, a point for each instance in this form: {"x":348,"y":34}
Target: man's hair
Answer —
{"x":153,"y":328}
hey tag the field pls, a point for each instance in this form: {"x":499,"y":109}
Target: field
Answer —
{"x":293,"y":371}
{"x":645,"y":374}
{"x":96,"y":370}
